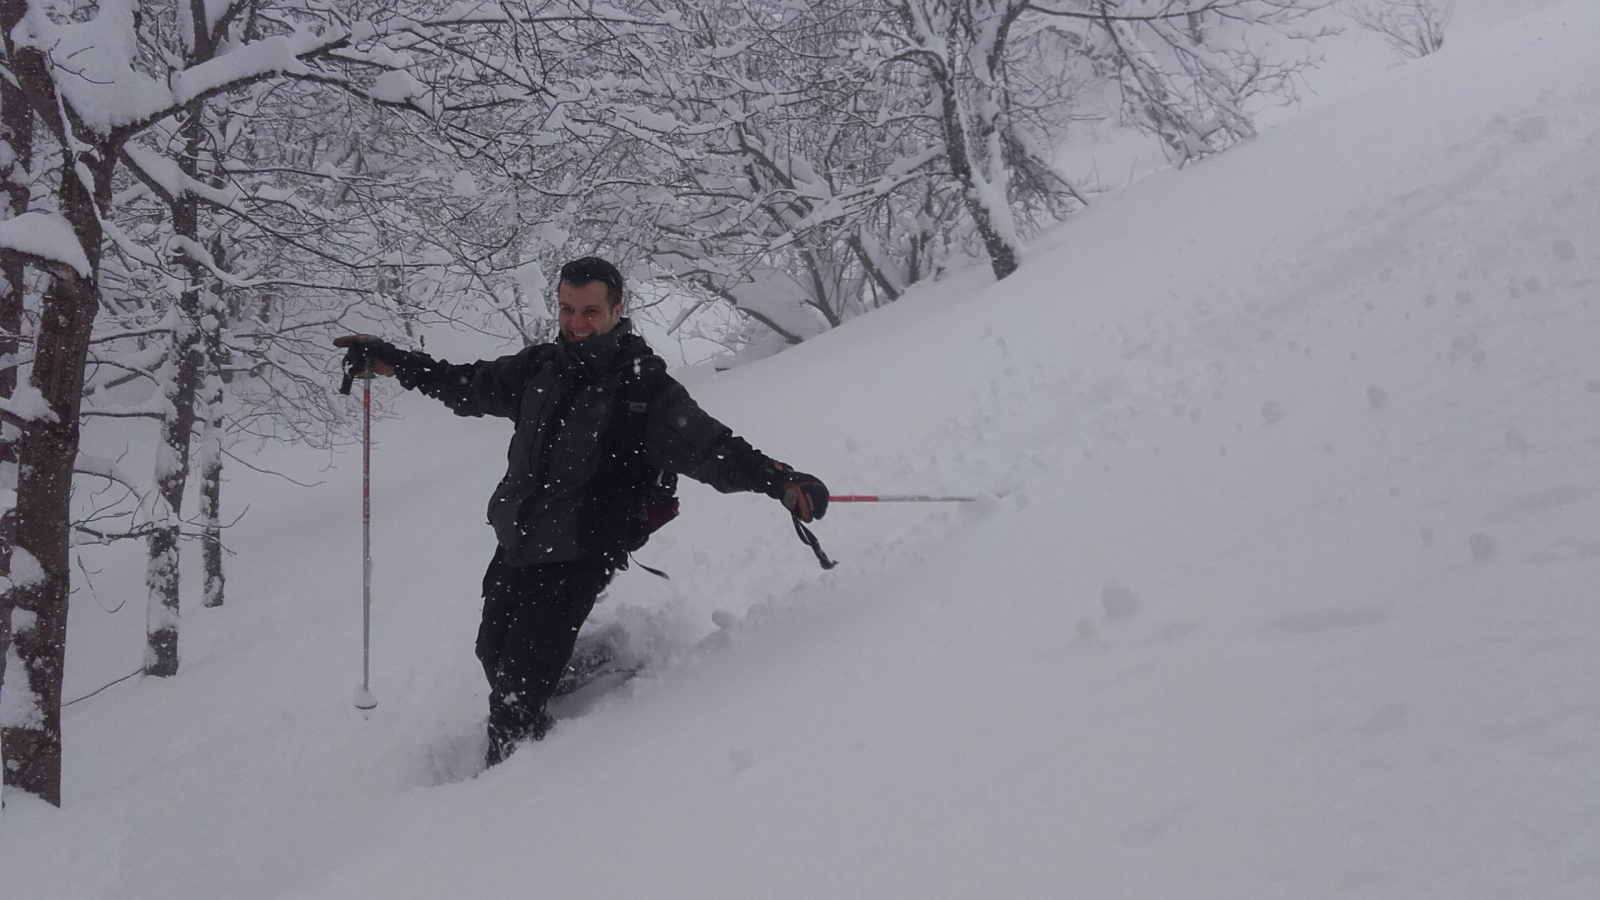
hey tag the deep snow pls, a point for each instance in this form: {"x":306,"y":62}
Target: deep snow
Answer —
{"x":1317,"y":419}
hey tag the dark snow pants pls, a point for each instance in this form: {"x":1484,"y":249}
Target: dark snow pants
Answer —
{"x":531,"y":617}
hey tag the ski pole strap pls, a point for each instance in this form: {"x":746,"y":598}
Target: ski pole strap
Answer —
{"x":656,"y":572}
{"x":812,"y":542}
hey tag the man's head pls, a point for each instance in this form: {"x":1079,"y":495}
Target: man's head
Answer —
{"x":588,"y":298}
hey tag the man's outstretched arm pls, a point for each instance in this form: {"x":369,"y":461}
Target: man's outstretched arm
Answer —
{"x":484,"y":388}
{"x":685,"y":439}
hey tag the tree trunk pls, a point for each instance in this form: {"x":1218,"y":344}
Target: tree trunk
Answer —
{"x":211,"y":433}
{"x":45,"y":456}
{"x":978,"y":195}
{"x":44,"y":498}
{"x":172,"y":475}
{"x":16,"y":157}
{"x":177,"y":428}
{"x":213,"y":429}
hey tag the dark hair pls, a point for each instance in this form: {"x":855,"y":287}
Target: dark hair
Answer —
{"x":582,"y":271}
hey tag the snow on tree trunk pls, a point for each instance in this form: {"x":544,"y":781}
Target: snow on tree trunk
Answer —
{"x":162,"y":564}
{"x":209,"y":461}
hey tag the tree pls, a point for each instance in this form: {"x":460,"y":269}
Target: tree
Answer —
{"x":804,"y":162}
{"x":81,"y":73}
{"x":1189,"y":72}
{"x":756,"y":156}
{"x":1413,"y":27}
{"x":228,"y":255}
{"x":197,"y":44}
{"x":16,"y":159}
{"x":48,"y":443}
{"x":783,"y":165}
{"x":16,"y":162}
{"x":960,"y":46}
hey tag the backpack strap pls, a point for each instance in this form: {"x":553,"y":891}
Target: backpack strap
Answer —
{"x":655,"y":490}
{"x":637,"y":387}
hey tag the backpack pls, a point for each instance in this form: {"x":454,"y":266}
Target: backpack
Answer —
{"x":657,"y":505}
{"x":656,"y":489}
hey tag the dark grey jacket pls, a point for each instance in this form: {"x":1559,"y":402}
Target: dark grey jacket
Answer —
{"x":572,"y":472}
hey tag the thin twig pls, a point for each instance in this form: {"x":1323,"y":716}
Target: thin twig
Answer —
{"x":139,"y":671}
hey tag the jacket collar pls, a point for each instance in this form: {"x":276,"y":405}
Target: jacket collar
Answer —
{"x":595,"y":356}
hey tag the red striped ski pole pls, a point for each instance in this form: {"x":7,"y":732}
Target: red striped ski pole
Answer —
{"x":357,"y":365}
{"x":897,"y":498}
{"x":363,"y":696}
{"x":816,"y":547}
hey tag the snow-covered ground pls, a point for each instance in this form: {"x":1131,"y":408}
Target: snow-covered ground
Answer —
{"x":1285,"y":581}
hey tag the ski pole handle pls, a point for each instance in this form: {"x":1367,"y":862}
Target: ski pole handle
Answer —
{"x":357,"y":364}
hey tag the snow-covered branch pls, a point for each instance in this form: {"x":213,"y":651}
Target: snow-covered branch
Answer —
{"x":44,"y":239}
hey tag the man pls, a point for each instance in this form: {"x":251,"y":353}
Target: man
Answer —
{"x":597,"y":418}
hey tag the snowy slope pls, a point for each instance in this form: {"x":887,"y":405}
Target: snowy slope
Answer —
{"x":1327,"y":408}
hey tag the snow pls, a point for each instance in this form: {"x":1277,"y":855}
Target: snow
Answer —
{"x":19,"y":707}
{"x":398,"y":87}
{"x":267,"y":55}
{"x":165,"y":172}
{"x":93,"y":64}
{"x":23,"y":620}
{"x":1173,"y":651}
{"x":47,"y":236}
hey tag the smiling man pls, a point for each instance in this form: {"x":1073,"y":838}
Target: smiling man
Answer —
{"x":599,"y":427}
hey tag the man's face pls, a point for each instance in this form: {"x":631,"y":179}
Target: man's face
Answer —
{"x":584,"y":311}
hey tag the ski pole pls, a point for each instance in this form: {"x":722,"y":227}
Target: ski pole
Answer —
{"x":897,"y":498}
{"x":811,"y":541}
{"x":363,"y":698}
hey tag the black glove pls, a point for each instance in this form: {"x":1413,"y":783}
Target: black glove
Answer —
{"x":367,"y":353}
{"x":803,"y":495}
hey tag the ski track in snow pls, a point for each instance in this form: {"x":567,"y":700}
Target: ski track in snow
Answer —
{"x":1282,"y":583}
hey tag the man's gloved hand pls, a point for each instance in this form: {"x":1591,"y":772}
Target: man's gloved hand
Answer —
{"x":366,"y":352}
{"x":803,"y":495}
